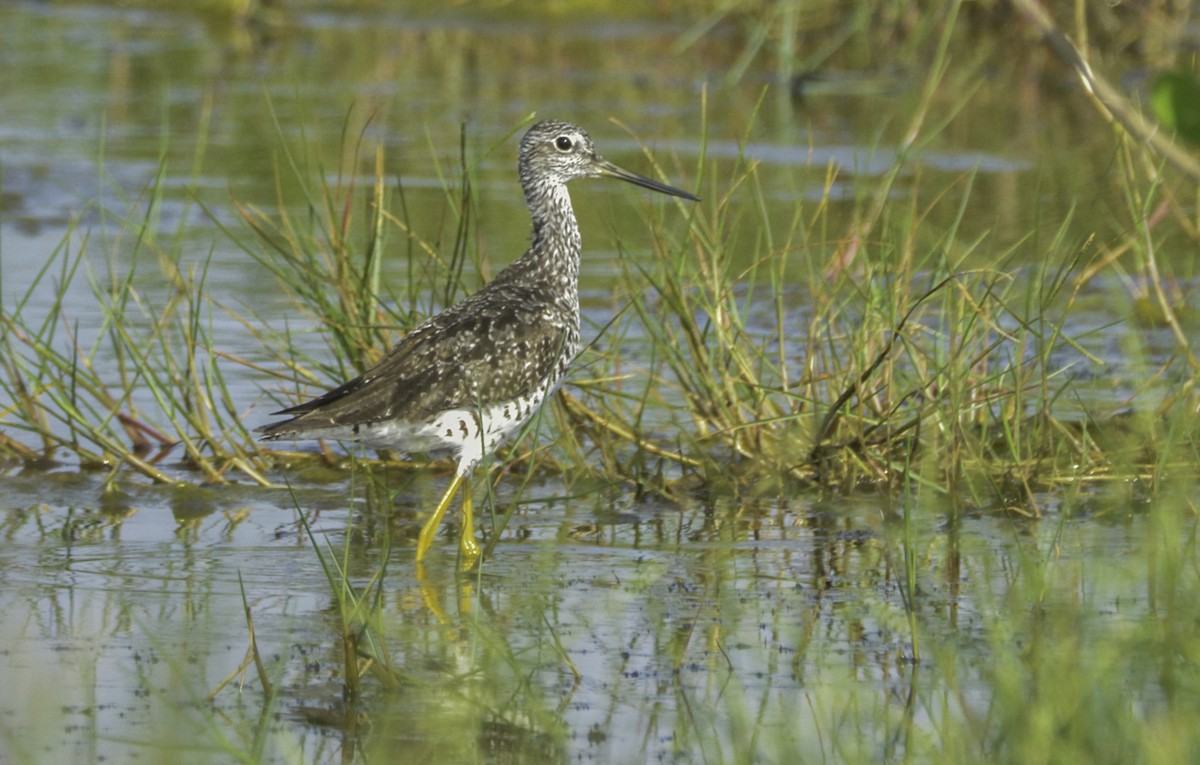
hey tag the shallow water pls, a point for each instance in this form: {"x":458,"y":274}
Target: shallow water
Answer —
{"x":688,"y":626}
{"x":710,"y":631}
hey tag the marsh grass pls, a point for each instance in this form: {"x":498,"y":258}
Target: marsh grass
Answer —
{"x":79,"y":398}
{"x":933,"y":373}
{"x":899,"y":355}
{"x":903,"y":365}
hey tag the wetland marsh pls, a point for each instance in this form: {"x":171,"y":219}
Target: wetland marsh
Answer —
{"x":886,"y":451}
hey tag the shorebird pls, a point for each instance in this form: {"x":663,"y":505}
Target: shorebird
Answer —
{"x":476,"y":372}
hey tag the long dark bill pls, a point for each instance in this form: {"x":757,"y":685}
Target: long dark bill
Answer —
{"x":606,"y":168}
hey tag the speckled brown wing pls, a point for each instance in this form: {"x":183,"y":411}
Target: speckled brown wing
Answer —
{"x":446,"y":363}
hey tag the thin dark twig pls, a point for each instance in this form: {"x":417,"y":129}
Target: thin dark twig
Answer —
{"x":834,"y":411}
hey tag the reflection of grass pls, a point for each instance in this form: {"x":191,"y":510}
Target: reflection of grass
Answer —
{"x":801,"y":651}
{"x":359,"y":607}
{"x":1034,"y":647}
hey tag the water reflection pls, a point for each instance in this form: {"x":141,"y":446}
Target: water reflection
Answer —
{"x":657,"y":630}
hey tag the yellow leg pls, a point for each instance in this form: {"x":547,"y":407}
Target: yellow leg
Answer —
{"x":468,"y":548}
{"x":429,"y":530}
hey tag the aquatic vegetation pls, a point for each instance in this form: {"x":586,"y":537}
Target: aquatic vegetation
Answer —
{"x":882,"y":453}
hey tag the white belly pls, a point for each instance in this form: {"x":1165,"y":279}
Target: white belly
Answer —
{"x":469,"y":433}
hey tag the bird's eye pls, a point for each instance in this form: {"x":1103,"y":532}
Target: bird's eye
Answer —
{"x":563,"y":143}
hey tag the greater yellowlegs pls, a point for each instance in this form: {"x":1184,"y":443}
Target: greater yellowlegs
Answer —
{"x":476,"y":372}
